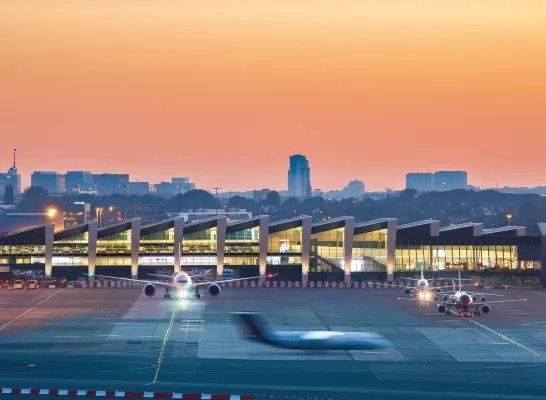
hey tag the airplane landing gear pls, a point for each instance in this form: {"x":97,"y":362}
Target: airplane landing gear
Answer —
{"x":197,"y":294}
{"x":167,"y":294}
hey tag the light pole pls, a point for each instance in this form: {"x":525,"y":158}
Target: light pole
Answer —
{"x":413,"y":206}
{"x":509,"y":216}
{"x":216,"y":190}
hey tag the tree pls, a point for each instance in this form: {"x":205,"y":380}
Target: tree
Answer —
{"x":35,"y":198}
{"x":9,"y":197}
{"x":273,"y":198}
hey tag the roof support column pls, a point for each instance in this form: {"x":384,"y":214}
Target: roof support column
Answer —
{"x":543,"y":260}
{"x":264,"y":236}
{"x":305,"y":247}
{"x":135,"y":244}
{"x":178,"y":235}
{"x":92,"y":248}
{"x":49,"y":239}
{"x":392,"y":226}
{"x":220,"y":245}
{"x":348,"y":234}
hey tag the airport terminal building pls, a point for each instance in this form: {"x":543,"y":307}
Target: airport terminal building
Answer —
{"x":296,"y":249}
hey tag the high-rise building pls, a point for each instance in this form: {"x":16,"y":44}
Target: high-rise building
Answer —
{"x":420,"y":181}
{"x":176,"y":186}
{"x":299,"y":177}
{"x":450,"y":180}
{"x":49,"y":180}
{"x":11,"y":178}
{"x":110,"y":183}
{"x":78,"y":181}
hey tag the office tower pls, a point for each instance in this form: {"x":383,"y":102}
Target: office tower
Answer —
{"x":107,"y":184}
{"x":299,"y":177}
{"x":49,"y":180}
{"x":78,"y":181}
{"x":450,"y":180}
{"x":420,"y":181}
{"x":11,"y":178}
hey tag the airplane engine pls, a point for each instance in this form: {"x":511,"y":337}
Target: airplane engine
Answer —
{"x":438,"y":290}
{"x":446,"y":298}
{"x":149,"y":290}
{"x":483,"y":298}
{"x":407,"y":291}
{"x":441,"y":308}
{"x":214,"y":289}
{"x":486,"y":309}
{"x":474,"y":298}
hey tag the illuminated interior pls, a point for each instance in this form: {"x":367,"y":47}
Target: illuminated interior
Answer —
{"x":284,"y":247}
{"x":369,"y":253}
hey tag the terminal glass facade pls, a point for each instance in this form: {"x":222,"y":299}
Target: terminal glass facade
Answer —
{"x":456,"y":257}
{"x":114,"y":250}
{"x":242,"y":247}
{"x":327,"y":251}
{"x":369,"y":253}
{"x":20,"y":253}
{"x":157,"y":248}
{"x":71,"y":251}
{"x":284,"y":247}
{"x":200,"y":248}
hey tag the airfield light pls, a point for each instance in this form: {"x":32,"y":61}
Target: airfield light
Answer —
{"x":269,"y":276}
{"x":51,"y":212}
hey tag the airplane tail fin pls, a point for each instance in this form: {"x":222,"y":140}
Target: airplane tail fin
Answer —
{"x":252,"y":324}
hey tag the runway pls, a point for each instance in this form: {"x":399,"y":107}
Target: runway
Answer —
{"x":117,"y":339}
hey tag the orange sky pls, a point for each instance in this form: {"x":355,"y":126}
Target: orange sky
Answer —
{"x":224,"y":91}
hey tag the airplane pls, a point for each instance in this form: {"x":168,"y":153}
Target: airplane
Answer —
{"x":255,"y":329}
{"x":422,"y":287}
{"x":180,"y":283}
{"x":461,"y":303}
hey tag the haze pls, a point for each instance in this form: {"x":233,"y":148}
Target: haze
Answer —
{"x":224,"y":91}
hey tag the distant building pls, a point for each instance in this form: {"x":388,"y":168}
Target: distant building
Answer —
{"x":450,"y":180}
{"x":11,"y":178}
{"x":107,"y":184}
{"x":354,"y":189}
{"x":421,"y":181}
{"x":49,"y":180}
{"x":259,"y":195}
{"x":176,"y":186}
{"x":438,"y":181}
{"x":299,"y":177}
{"x":76,"y":181}
{"x":135,"y":188}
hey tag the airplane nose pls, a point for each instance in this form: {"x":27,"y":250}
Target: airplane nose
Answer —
{"x":465,"y":299}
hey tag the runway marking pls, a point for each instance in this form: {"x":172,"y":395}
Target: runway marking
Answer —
{"x":165,"y":341}
{"x":506,"y":338}
{"x":540,"y":294}
{"x":29,"y":310}
{"x":67,"y":336}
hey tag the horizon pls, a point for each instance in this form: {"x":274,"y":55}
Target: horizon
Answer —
{"x":224,"y":93}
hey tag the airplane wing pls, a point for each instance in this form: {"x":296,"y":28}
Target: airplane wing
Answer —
{"x":160,"y":284}
{"x":229,"y":280}
{"x":497,"y":301}
{"x":484,"y":294}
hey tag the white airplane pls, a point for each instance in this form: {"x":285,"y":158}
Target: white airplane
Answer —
{"x":181,"y":283}
{"x":423,"y":289}
{"x":464,"y":304}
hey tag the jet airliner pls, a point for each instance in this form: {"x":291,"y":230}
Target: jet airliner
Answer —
{"x":181,"y":284}
{"x":465,"y":304}
{"x":255,"y":329}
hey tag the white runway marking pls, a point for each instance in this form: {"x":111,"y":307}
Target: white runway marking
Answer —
{"x":29,"y":310}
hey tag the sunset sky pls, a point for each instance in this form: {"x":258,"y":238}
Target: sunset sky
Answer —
{"x":224,"y":91}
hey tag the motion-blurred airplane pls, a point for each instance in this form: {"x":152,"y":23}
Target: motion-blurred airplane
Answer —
{"x":181,"y":284}
{"x":255,"y":329}
{"x":463,"y":304}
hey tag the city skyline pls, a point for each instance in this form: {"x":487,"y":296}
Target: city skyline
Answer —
{"x":224,"y":93}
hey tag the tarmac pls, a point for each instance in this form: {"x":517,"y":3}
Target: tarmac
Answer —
{"x":118,"y":339}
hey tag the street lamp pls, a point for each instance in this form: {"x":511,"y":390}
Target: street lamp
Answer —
{"x":216,"y":189}
{"x":51,"y":212}
{"x":509,"y":216}
{"x":413,"y":205}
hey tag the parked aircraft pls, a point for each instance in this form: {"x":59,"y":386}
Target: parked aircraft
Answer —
{"x":255,"y":329}
{"x":423,"y":288}
{"x":180,"y":283}
{"x":465,"y":304}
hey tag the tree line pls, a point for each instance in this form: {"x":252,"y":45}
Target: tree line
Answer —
{"x":489,"y":207}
